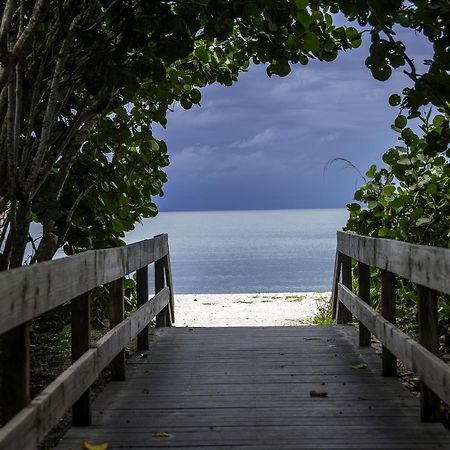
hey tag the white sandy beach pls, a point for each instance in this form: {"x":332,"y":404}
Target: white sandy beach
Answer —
{"x":222,"y":310}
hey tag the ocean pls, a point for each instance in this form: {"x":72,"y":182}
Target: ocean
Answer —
{"x":215,"y":252}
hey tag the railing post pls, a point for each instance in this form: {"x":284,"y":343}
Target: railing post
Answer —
{"x":168,"y":273}
{"x":142,"y":298}
{"x":343,"y":314}
{"x":81,"y":328}
{"x":364,"y":295}
{"x":15,"y":370}
{"x":428,"y":337}
{"x":116,"y":290}
{"x":163,"y":318}
{"x":336,"y":277}
{"x":388,"y":307}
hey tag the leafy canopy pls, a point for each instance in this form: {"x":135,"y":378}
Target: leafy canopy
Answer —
{"x":82,"y":82}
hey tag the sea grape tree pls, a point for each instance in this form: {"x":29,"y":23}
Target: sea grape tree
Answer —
{"x":81,"y":83}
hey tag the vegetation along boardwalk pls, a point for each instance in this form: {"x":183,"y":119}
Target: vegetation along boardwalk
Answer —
{"x":251,"y":388}
{"x":262,"y":388}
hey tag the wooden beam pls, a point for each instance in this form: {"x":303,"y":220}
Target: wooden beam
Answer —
{"x":343,"y":314}
{"x":432,"y":370}
{"x":142,"y":298}
{"x":28,"y":292}
{"x":31,"y":424}
{"x":388,"y":308}
{"x":364,"y":295}
{"x":117,"y":312}
{"x":428,"y":337}
{"x":421,"y":264}
{"x":81,"y":337}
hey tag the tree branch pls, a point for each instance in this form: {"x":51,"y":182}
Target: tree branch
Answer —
{"x":49,"y":116}
{"x":6,"y":19}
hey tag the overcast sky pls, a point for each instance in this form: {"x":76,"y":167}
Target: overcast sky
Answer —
{"x":264,"y":142}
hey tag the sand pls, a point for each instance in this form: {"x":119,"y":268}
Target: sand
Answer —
{"x":225,"y":310}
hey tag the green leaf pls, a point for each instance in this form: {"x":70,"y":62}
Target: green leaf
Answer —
{"x":389,"y":189}
{"x":395,"y":100}
{"x":302,"y":4}
{"x":401,"y":121}
{"x":383,"y":232}
{"x":310,"y":42}
{"x":185,"y":102}
{"x":423,"y":221}
{"x":358,"y":366}
{"x":381,"y":72}
{"x":196,"y":96}
{"x":438,"y":120}
{"x":281,"y":68}
{"x":304,"y":18}
{"x":292,"y":42}
{"x":117,"y":226}
{"x":202,"y":54}
{"x":354,"y":207}
{"x":371,"y":172}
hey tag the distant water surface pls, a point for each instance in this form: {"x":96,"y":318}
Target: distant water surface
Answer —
{"x":248,"y":251}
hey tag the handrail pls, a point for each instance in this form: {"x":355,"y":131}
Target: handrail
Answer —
{"x":56,"y":282}
{"x":27,"y":292}
{"x":427,"y":267}
{"x":421,"y":264}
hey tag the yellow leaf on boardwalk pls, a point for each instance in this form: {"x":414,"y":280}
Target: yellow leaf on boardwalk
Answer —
{"x":85,"y":444}
{"x":160,"y":434}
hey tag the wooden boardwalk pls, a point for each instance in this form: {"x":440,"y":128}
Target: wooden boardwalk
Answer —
{"x":218,"y":388}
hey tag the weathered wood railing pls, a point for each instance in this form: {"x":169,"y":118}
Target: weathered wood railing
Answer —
{"x":28,"y":292}
{"x":429,"y":269}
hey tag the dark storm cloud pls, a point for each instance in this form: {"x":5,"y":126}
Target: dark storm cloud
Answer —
{"x":264,"y":142}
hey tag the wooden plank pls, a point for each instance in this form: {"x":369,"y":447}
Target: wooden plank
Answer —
{"x":142,"y":297}
{"x":80,"y":338}
{"x":433,"y":371}
{"x":428,"y":337}
{"x":388,"y":311}
{"x":364,"y":295}
{"x":27,"y":292}
{"x":15,"y":370}
{"x":174,"y":398}
{"x":31,"y":424}
{"x":117,"y":312}
{"x":343,"y":314}
{"x":421,"y":264}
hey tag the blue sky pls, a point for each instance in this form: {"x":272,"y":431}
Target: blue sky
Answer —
{"x":264,"y":142}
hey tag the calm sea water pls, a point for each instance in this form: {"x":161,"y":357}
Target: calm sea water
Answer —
{"x":248,"y":251}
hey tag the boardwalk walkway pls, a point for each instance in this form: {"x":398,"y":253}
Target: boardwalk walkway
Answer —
{"x":208,"y":388}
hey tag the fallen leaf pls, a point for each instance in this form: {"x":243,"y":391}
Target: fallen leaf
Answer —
{"x":160,"y":434}
{"x":88,"y":446}
{"x":358,"y":366}
{"x":317,"y":393}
